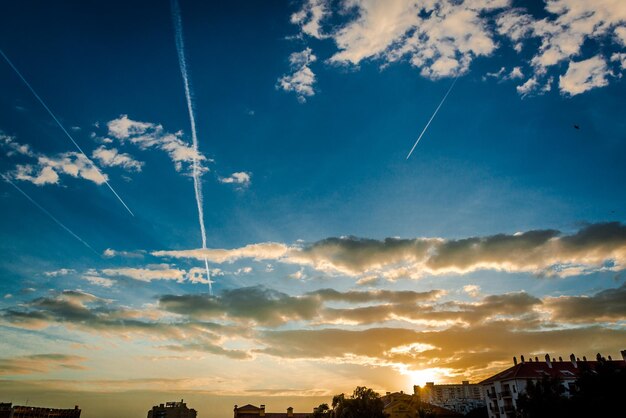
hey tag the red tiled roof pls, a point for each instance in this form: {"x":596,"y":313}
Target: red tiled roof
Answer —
{"x":540,"y":369}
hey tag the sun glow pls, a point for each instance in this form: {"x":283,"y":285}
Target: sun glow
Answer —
{"x":420,"y":377}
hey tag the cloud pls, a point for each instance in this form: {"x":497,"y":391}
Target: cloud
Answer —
{"x":309,"y":17}
{"x":441,"y":38}
{"x":596,"y":247}
{"x":148,"y":135}
{"x":109,"y":253}
{"x":39,"y":363}
{"x":261,"y":251}
{"x":605,"y":306}
{"x":60,"y":272}
{"x":301,"y":79}
{"x":620,"y":58}
{"x":13,"y":147}
{"x":258,"y":304}
{"x":152,"y":272}
{"x":562,"y":33}
{"x":99,"y":281}
{"x":584,"y":75}
{"x":113,"y":158}
{"x":242,"y":178}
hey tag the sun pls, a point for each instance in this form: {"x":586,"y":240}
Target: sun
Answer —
{"x":420,"y":377}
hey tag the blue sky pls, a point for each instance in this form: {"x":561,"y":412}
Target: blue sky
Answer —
{"x":305,"y":113}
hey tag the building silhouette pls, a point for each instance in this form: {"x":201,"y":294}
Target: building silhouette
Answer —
{"x":172,"y":410}
{"x":251,"y":411}
{"x":8,"y":410}
{"x":503,"y":389}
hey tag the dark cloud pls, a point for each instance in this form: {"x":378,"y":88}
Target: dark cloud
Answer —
{"x":606,"y":306}
{"x":258,"y":304}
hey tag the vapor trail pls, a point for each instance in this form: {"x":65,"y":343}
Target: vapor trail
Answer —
{"x":63,"y":129}
{"x":8,"y":180}
{"x":432,"y":117}
{"x":197,"y":187}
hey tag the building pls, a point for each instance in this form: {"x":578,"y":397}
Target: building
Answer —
{"x":460,"y":398}
{"x":172,"y":410}
{"x":403,"y":405}
{"x":503,"y":389}
{"x":400,"y":405}
{"x":8,"y":410}
{"x":251,"y":411}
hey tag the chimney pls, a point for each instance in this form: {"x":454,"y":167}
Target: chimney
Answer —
{"x":522,"y":358}
{"x":548,"y":361}
{"x":290,"y":412}
{"x":515,"y":360}
{"x":262,"y":412}
{"x":536,"y":359}
{"x":572,"y":358}
{"x":610,"y":358}
{"x":553,"y":360}
{"x":623,"y":354}
{"x":584,"y":358}
{"x":598,"y":357}
{"x":560,"y":359}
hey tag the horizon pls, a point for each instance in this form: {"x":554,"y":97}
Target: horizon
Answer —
{"x":290,"y":199}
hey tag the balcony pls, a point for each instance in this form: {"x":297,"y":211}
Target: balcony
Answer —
{"x":506,"y":393}
{"x":491,"y":395}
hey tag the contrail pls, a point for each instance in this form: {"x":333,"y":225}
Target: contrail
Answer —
{"x":8,"y":180}
{"x":432,"y":117}
{"x":197,"y":187}
{"x":63,"y":129}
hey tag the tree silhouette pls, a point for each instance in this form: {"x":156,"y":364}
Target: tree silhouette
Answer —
{"x":364,"y":403}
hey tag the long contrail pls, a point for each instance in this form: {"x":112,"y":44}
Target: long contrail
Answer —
{"x":432,"y":117}
{"x":197,"y":186}
{"x":32,"y":90}
{"x":69,"y":231}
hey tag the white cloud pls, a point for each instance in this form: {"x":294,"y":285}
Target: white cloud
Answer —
{"x":109,"y":253}
{"x":620,"y":58}
{"x":99,"y":281}
{"x":584,"y":75}
{"x":148,"y":135}
{"x":472,"y":290}
{"x":60,"y":272}
{"x":148,"y":274}
{"x":569,"y":24}
{"x":241,"y":178}
{"x":113,"y":158}
{"x":441,"y":38}
{"x":15,"y":148}
{"x":309,"y":17}
{"x":261,"y":251}
{"x":301,"y":79}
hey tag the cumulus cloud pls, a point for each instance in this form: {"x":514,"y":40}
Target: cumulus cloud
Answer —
{"x":111,"y":157}
{"x":301,"y":79}
{"x":441,"y":38}
{"x":148,"y":274}
{"x":13,"y":147}
{"x":597,"y":247}
{"x":606,"y":306}
{"x":148,"y":135}
{"x":309,"y":17}
{"x":568,"y":25}
{"x":584,"y":75}
{"x":241,"y":178}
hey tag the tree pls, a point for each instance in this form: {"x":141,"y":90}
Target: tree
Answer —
{"x":364,"y":403}
{"x":543,"y":399}
{"x":322,"y":411}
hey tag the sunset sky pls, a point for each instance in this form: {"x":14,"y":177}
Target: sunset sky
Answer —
{"x":335,"y":260}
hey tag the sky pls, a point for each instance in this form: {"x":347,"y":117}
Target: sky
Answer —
{"x":334,"y":260}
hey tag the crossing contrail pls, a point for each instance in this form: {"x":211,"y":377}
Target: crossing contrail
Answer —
{"x":69,"y":231}
{"x":197,"y":186}
{"x":32,"y":90}
{"x":432,"y":117}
